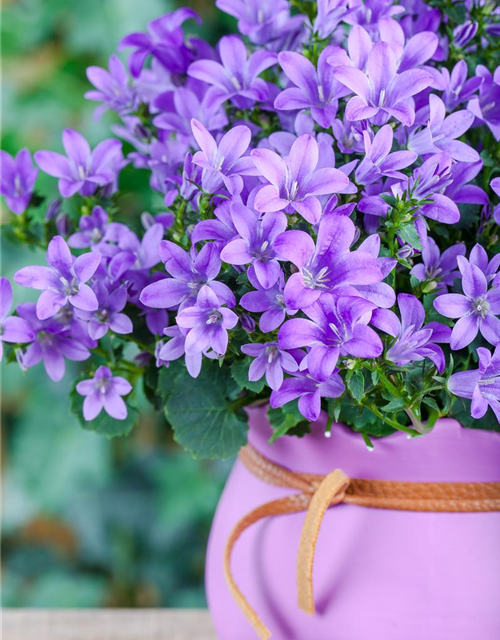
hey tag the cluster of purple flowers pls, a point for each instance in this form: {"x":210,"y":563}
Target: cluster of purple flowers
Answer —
{"x":312,"y":169}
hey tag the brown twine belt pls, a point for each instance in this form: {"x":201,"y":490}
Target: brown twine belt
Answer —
{"x":317,"y":493}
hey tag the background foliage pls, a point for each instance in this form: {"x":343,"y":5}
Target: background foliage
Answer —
{"x":87,"y":521}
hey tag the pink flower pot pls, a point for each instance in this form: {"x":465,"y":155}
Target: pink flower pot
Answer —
{"x":378,"y":574}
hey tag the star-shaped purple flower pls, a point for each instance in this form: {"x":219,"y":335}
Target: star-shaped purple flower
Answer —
{"x":112,"y":88}
{"x":13,"y":329}
{"x":439,"y":268}
{"x":270,"y":360}
{"x":17,"y":180}
{"x":269,"y":302}
{"x":104,"y":391}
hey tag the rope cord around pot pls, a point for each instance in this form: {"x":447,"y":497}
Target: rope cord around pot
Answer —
{"x":317,"y":493}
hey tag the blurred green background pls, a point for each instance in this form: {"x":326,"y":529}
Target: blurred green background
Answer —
{"x":86,"y":521}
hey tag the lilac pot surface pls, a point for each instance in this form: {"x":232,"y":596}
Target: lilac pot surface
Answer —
{"x":378,"y":574}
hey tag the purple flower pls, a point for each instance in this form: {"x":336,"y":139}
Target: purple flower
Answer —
{"x":335,"y":328}
{"x":112,"y":88}
{"x":413,"y":341}
{"x":315,"y":90}
{"x":309,"y":391}
{"x":479,"y":257}
{"x":83,"y":171}
{"x":190,"y":273}
{"x":255,"y":243}
{"x":476,"y":309}
{"x":104,"y":391}
{"x":457,"y":88}
{"x":459,"y":190}
{"x":236,"y":78}
{"x":482,"y":386}
{"x":223,"y":163}
{"x":221,"y":228}
{"x":378,"y":160}
{"x":382,"y":92}
{"x":295,"y":182}
{"x":54,"y":340}
{"x":271,"y":361}
{"x":108,"y":314}
{"x":326,"y":265}
{"x":441,"y":133}
{"x":136,"y":254}
{"x":17,"y":180}
{"x":63,"y":281}
{"x":98,"y":234}
{"x":208,"y":322}
{"x":495,"y":185}
{"x":464,"y":33}
{"x":13,"y":329}
{"x":165,"y":41}
{"x":486,"y":107}
{"x":269,"y":302}
{"x":330,"y":14}
{"x":439,"y":268}
{"x":175,"y":348}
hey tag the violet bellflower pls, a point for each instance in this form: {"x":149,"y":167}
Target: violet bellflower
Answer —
{"x":164,"y":41}
{"x":255,"y":243}
{"x":112,"y":88}
{"x":334,"y":328}
{"x":104,"y":391}
{"x":323,"y":266}
{"x":382,"y":93}
{"x":54,"y":340}
{"x":98,"y":234}
{"x":482,"y":385}
{"x":476,"y":309}
{"x":175,"y":348}
{"x":413,"y":342}
{"x":457,"y":88}
{"x":459,"y":190}
{"x":12,"y":329}
{"x":208,"y":322}
{"x":108,"y":315}
{"x":309,"y":392}
{"x":17,"y":180}
{"x":222,"y":163}
{"x":270,"y":360}
{"x":479,"y":257}
{"x":495,"y":186}
{"x":83,"y":171}
{"x":316,"y":90}
{"x":189,"y":272}
{"x":442,"y":132}
{"x":237,"y":77}
{"x":438,"y":269}
{"x":295,"y":182}
{"x":269,"y":303}
{"x":63,"y":281}
{"x":486,"y":106}
{"x":330,"y":14}
{"x":378,"y":160}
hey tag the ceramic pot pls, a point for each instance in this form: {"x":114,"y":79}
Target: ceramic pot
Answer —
{"x":378,"y":574}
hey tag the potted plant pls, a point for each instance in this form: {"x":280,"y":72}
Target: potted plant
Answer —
{"x":318,"y":287}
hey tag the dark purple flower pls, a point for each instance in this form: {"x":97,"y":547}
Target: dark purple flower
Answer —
{"x":482,"y":386}
{"x":326,"y":265}
{"x":208,"y":322}
{"x":486,"y":107}
{"x":464,"y":33}
{"x":335,"y":328}
{"x":255,"y":243}
{"x":190,"y":273}
{"x":13,"y":329}
{"x":296,"y":182}
{"x":104,"y":391}
{"x":236,"y":78}
{"x":271,"y":361}
{"x":54,"y":340}
{"x":83,"y":171}
{"x":438,"y":269}
{"x":382,"y":91}
{"x":476,"y":309}
{"x":17,"y":180}
{"x":315,"y":89}
{"x":108,"y":314}
{"x":441,"y":132}
{"x":413,"y":341}
{"x":309,"y":391}
{"x":98,"y":234}
{"x":112,"y":88}
{"x":63,"y":281}
{"x":164,"y":41}
{"x":378,"y":160}
{"x":223,"y":163}
{"x":269,"y":302}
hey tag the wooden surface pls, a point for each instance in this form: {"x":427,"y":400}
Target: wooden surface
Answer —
{"x":107,"y":624}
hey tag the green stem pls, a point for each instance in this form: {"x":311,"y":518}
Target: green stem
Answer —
{"x":392,"y":423}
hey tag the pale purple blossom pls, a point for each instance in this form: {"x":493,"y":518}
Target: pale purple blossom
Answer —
{"x":271,"y":361}
{"x":112,"y":88}
{"x":17,"y":180}
{"x":175,"y":348}
{"x":438,"y":268}
{"x":97,"y":233}
{"x":104,"y":391}
{"x":108,"y":316}
{"x":270,"y":303}
{"x":486,"y":106}
{"x":12,"y":329}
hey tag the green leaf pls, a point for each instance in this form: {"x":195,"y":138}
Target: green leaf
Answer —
{"x":239,"y":371}
{"x":103,"y":424}
{"x":356,"y":385}
{"x":394,"y":406}
{"x":287,"y":419}
{"x":201,"y":413}
{"x":461,"y":412}
{"x":408,"y":234}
